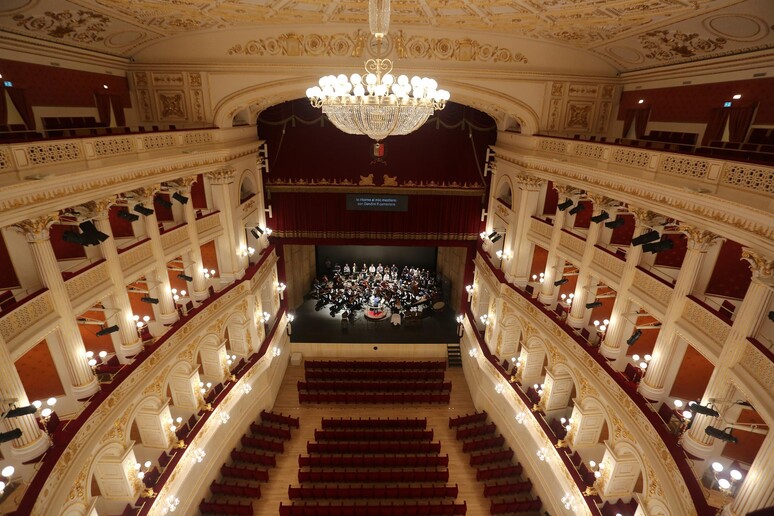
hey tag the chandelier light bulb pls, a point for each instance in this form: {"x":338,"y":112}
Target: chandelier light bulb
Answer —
{"x":687,"y":414}
{"x":89,"y":354}
{"x":52,"y":401}
{"x":147,"y":464}
{"x":644,"y":365}
{"x":606,"y":322}
{"x":592,"y":464}
{"x":718,"y":467}
{"x":8,"y":471}
{"x":678,"y":403}
{"x":647,"y":358}
{"x":635,"y":357}
{"x":735,"y":474}
{"x":37,"y":404}
{"x":724,"y":483}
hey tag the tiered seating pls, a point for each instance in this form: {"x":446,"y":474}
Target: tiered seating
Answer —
{"x":494,"y":465}
{"x":373,"y":460}
{"x":248,"y":468}
{"x":406,"y":509}
{"x":361,"y":382}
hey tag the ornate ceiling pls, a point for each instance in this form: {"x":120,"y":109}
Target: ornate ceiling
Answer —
{"x":628,"y":34}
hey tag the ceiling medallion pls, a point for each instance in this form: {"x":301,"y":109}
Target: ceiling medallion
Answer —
{"x":377,"y":104}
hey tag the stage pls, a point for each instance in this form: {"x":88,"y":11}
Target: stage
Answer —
{"x":313,"y":326}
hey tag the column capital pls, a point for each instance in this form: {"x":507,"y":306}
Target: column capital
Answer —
{"x":99,"y":208}
{"x":146,"y":193}
{"x":565,"y":190}
{"x":528,"y":182}
{"x":222,"y":176}
{"x":762,"y":266}
{"x":187,"y":182}
{"x":36,"y":229}
{"x":699,"y":239}
{"x":643,"y":216}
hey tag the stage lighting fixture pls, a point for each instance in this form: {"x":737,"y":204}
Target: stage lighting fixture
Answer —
{"x":21,"y":411}
{"x":657,"y":247}
{"x":496,"y":238}
{"x":163,"y":202}
{"x":595,"y":304}
{"x":142,"y":210}
{"x":10,"y":436}
{"x":578,"y":208}
{"x":149,"y":300}
{"x":74,"y":238}
{"x":701,"y":409}
{"x":645,"y":238}
{"x":92,"y":234}
{"x":601,"y":217}
{"x":566,"y":204}
{"x":721,"y":434}
{"x":617,"y":223}
{"x":259,"y":230}
{"x":492,"y":235}
{"x":185,"y":277}
{"x":255,"y":233}
{"x":107,"y":331}
{"x":126,"y":215}
{"x":634,"y":337}
{"x":561,"y":281}
{"x":182,"y":199}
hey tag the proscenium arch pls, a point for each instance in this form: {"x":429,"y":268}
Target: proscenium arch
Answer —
{"x":503,"y":108}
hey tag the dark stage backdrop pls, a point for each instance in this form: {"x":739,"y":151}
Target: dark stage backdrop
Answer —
{"x":424,"y":257}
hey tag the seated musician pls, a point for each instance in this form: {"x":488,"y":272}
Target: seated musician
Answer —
{"x":346,"y":269}
{"x":380,"y":269}
{"x":386,"y":276}
{"x":372,"y":269}
{"x":394,"y":271}
{"x":378,"y":276}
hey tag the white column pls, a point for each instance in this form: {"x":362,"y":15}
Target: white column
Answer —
{"x":577,"y":316}
{"x":33,"y":442}
{"x":525,"y":202}
{"x":36,"y":230}
{"x":130,"y":342}
{"x":612,"y":347}
{"x":653,"y":384}
{"x":198,"y":285}
{"x":159,"y":286}
{"x":221,"y":182}
{"x":752,"y":311}
{"x":553,"y":260}
{"x":757,"y":489}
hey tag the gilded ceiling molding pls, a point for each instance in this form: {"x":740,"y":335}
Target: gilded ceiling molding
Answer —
{"x":353,"y":44}
{"x":665,"y":45}
{"x":388,"y":187}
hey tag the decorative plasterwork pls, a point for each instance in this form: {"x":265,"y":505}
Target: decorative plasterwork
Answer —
{"x":367,"y":184}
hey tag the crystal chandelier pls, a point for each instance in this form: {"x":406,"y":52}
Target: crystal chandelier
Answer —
{"x":377,"y":104}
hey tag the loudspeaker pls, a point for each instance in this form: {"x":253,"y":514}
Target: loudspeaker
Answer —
{"x":107,"y":331}
{"x":10,"y":436}
{"x":142,"y":210}
{"x":618,"y":222}
{"x":595,"y":304}
{"x":650,"y":236}
{"x":599,"y":218}
{"x":163,"y":202}
{"x":561,"y":282}
{"x":634,"y":337}
{"x":149,"y":300}
{"x":131,"y":217}
{"x":182,"y":199}
{"x":720,"y":434}
{"x":563,"y":206}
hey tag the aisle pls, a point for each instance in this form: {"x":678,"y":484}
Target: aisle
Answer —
{"x":286,"y":472}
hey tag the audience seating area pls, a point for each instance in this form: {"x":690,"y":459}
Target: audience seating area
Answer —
{"x":362,"y":382}
{"x":373,"y":466}
{"x":504,"y":485}
{"x":240,"y":478}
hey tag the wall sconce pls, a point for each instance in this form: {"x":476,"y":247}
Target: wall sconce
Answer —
{"x":291,"y":318}
{"x":567,"y":299}
{"x":499,"y":388}
{"x":175,"y":296}
{"x":566,"y":423}
{"x":198,"y":455}
{"x":246,"y":388}
{"x":265,"y":318}
{"x":470,"y":289}
{"x":170,"y":504}
{"x":539,"y":388}
{"x":174,"y":424}
{"x":281,"y":290}
{"x":482,"y":235}
{"x":725,"y":485}
{"x":520,"y":417}
{"x":277,"y":351}
{"x":569,"y":502}
{"x":230,"y":359}
{"x":542,"y":454}
{"x":224,"y":417}
{"x":7,"y":472}
{"x":539,"y":279}
{"x":485,"y":319}
{"x":460,"y":327}
{"x":208,"y":273}
{"x":602,"y":328}
{"x":473,"y":353}
{"x":596,"y":468}
{"x":246,"y":251}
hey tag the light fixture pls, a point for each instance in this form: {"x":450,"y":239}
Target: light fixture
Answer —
{"x":127,"y":215}
{"x":594,"y":304}
{"x":566,"y":204}
{"x":634,"y":337}
{"x":499,"y":388}
{"x":618,"y":222}
{"x":578,"y":208}
{"x":162,"y":202}
{"x":8,"y":471}
{"x":150,"y":300}
{"x":142,"y":210}
{"x":701,"y":409}
{"x":542,"y":454}
{"x":199,"y":455}
{"x":473,"y":353}
{"x":721,"y":434}
{"x":377,"y":104}
{"x":561,"y":281}
{"x":185,"y":277}
{"x":170,"y":504}
{"x":600,"y":218}
{"x":208,"y":273}
{"x":224,"y":417}
{"x":650,"y":236}
{"x":108,"y":330}
{"x":182,"y":199}
{"x":640,"y":101}
{"x":246,"y":388}
{"x":678,"y":403}
{"x":520,"y":417}
{"x":737,"y":96}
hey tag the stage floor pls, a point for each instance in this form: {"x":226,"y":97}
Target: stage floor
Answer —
{"x":312,"y":326}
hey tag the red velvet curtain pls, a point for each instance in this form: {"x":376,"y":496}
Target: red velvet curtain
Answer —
{"x":118,"y":110}
{"x":715,"y":125}
{"x":641,"y":122}
{"x":739,"y":122}
{"x":103,"y":107}
{"x":20,"y":103}
{"x":629,"y":117}
{"x":325,"y":215}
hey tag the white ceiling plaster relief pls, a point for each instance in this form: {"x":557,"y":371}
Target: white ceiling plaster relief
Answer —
{"x":737,"y":27}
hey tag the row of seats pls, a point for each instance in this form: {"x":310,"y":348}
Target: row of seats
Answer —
{"x":225,"y":508}
{"x":380,"y":448}
{"x":340,"y":434}
{"x":273,"y":417}
{"x":515,"y":506}
{"x":260,"y":459}
{"x":423,"y":509}
{"x":483,"y":444}
{"x":381,"y":492}
{"x":500,"y":472}
{"x":507,"y":488}
{"x":469,"y":419}
{"x":373,"y":364}
{"x":373,"y":397}
{"x":330,"y":423}
{"x":491,"y":457}
{"x":476,"y":431}
{"x":409,"y":386}
{"x":322,"y":374}
{"x":359,"y":475}
{"x":232,"y":490}
{"x":262,"y":444}
{"x":259,"y":475}
{"x":373,"y":461}
{"x":270,"y":431}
